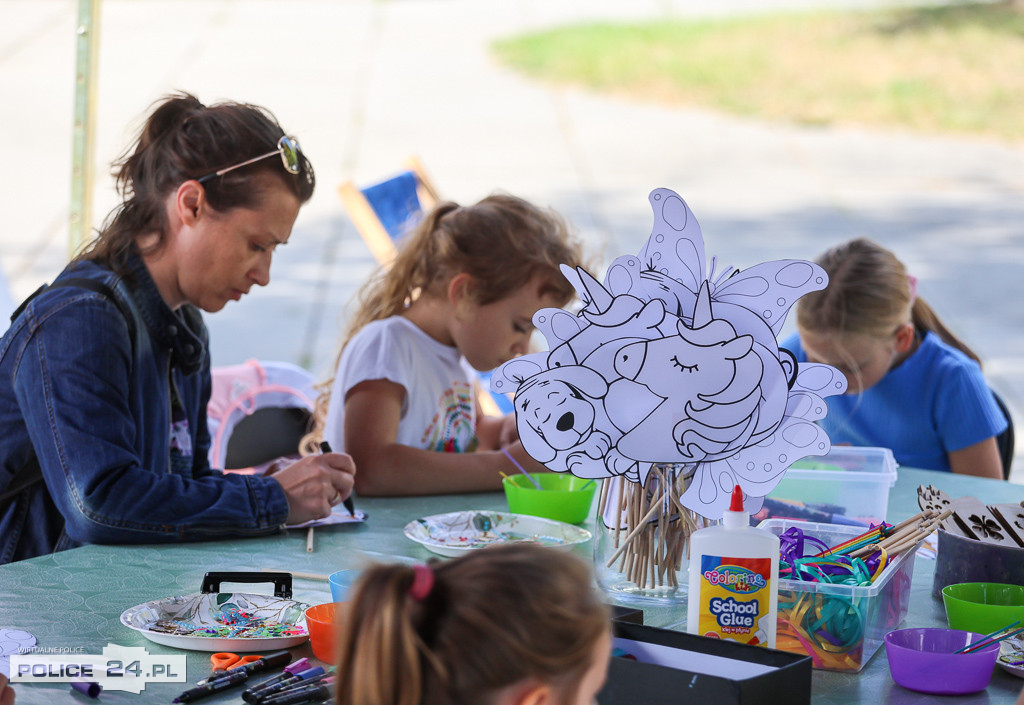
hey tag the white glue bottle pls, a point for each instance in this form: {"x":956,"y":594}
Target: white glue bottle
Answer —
{"x":734,"y":579}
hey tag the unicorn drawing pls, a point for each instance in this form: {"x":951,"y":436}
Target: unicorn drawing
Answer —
{"x":666,"y":364}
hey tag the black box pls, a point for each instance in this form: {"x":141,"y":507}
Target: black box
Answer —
{"x":627,"y":614}
{"x":783,"y":677}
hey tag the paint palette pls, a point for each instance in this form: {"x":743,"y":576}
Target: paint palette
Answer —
{"x":454,"y":533}
{"x":13,"y":641}
{"x":212,"y":620}
{"x":1011,"y":656}
{"x":203,"y":622}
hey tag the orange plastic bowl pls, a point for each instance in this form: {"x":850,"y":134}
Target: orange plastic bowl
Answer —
{"x":323,"y":634}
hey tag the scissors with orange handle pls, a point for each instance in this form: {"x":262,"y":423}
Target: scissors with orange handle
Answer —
{"x":223,"y":660}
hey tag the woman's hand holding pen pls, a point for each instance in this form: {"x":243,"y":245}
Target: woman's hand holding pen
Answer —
{"x":316,"y":483}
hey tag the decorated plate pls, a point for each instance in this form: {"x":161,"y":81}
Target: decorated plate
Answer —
{"x":455,"y":533}
{"x":1011,"y":656}
{"x":221,"y":621}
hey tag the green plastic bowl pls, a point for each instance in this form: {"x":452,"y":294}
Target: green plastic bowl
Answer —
{"x":983,"y":607}
{"x":562,"y":497}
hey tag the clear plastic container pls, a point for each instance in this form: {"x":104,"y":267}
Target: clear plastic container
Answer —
{"x":840,"y":626}
{"x":849,"y":485}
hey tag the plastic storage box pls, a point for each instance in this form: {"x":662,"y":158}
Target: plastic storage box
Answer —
{"x":850,"y":485}
{"x":840,"y":626}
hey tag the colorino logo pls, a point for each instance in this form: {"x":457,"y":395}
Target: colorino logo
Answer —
{"x":736,"y":579}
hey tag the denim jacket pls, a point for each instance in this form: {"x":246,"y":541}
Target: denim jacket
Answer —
{"x":92,"y":397}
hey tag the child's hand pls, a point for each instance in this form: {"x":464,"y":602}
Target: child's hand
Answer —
{"x":6,"y":691}
{"x":316,"y":483}
{"x":509,"y":432}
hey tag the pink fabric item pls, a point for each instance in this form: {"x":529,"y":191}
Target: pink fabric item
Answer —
{"x":239,"y":390}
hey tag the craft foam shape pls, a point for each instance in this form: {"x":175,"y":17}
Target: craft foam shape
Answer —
{"x":667,"y":363}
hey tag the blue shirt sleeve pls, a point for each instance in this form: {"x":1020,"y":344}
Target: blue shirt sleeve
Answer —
{"x":965,"y":411}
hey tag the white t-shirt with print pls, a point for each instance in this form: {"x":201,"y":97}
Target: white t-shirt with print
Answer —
{"x":438,"y":412}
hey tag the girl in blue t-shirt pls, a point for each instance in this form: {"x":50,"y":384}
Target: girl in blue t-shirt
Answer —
{"x":913,"y":386}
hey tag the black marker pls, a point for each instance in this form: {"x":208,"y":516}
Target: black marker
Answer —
{"x":223,"y":683}
{"x":301,"y":679}
{"x":301,"y":665}
{"x":325,"y":447}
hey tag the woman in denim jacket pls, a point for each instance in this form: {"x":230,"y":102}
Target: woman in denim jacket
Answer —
{"x":104,"y":379}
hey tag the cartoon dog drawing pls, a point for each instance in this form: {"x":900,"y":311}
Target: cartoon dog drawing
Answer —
{"x":562,"y":422}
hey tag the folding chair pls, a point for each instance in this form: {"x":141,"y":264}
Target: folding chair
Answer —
{"x":384,"y":212}
{"x":1005,"y":440}
{"x":258,"y":412}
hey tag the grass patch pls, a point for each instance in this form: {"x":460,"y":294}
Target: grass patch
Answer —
{"x":952,"y":69}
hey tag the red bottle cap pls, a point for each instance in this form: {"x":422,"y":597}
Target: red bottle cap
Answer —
{"x":736,"y":502}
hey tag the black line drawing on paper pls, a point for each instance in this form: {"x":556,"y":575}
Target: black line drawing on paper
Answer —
{"x":669,"y":364}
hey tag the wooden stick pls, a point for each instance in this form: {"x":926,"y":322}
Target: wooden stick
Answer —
{"x":898,"y":535}
{"x":919,"y":515}
{"x":907,"y":542}
{"x":309,"y":540}
{"x":651,"y":557}
{"x":622,"y":500}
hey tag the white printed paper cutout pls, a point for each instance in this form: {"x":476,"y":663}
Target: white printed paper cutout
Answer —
{"x":669,"y":364}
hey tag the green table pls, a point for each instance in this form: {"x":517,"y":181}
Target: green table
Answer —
{"x":73,"y":599}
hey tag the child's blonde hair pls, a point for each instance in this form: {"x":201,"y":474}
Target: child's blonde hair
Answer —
{"x":493,"y":618}
{"x":869,"y":293}
{"x":502,"y":242}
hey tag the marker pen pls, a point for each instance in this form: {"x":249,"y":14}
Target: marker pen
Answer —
{"x":325,"y":447}
{"x":303,"y":678}
{"x":292,"y":668}
{"x":222,"y":683}
{"x":311,"y":694}
{"x":294,"y":685}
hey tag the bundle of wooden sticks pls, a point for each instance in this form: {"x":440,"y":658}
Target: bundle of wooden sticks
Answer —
{"x":903,"y":536}
{"x":651,"y":529}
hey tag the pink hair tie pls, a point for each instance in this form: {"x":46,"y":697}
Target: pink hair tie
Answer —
{"x":913,"y":288}
{"x":422,"y":582}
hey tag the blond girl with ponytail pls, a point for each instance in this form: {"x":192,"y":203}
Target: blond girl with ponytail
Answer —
{"x":914,"y":387}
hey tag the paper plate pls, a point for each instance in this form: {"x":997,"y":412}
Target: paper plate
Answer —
{"x":1011,"y":656}
{"x":179,"y":621}
{"x":455,"y":533}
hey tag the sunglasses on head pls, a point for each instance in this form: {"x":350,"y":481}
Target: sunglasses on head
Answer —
{"x":287,"y":147}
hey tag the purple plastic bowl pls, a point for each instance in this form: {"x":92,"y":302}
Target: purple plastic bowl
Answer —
{"x":923,"y":660}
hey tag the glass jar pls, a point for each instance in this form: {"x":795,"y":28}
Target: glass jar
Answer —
{"x":642,"y":535}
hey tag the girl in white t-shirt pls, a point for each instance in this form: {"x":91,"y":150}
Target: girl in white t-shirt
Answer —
{"x":460,"y":295}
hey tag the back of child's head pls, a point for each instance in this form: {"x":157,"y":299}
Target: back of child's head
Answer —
{"x":460,"y":631}
{"x":502,"y":242}
{"x":869,"y":293}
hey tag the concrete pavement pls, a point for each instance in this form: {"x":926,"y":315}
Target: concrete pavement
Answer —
{"x":364,"y":83}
